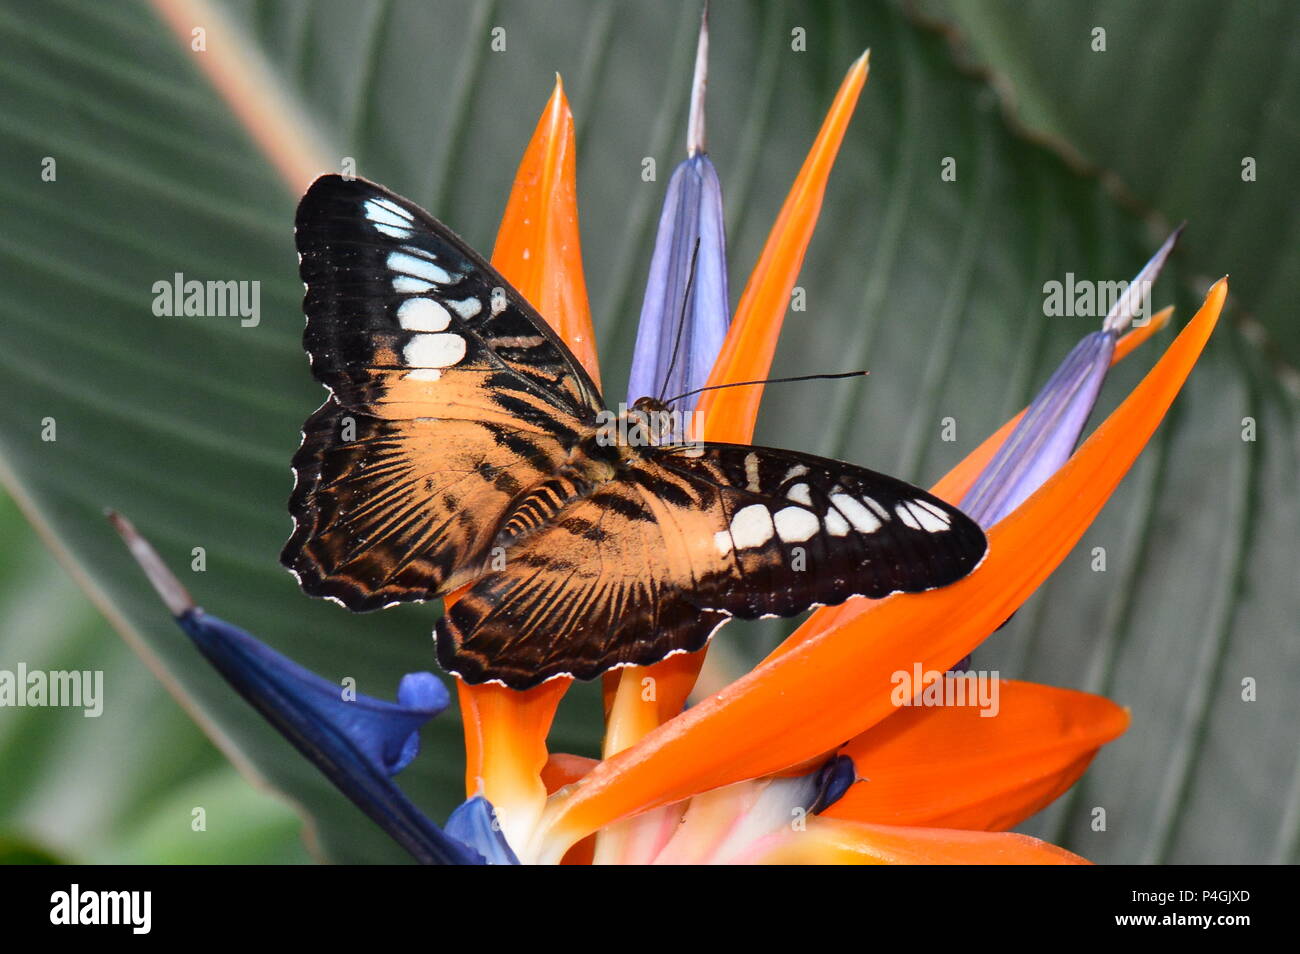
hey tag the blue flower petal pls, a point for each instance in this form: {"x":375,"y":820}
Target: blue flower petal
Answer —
{"x":677,"y":345}
{"x":686,"y":311}
{"x":475,"y":824}
{"x":418,"y":692}
{"x":1045,"y":437}
{"x":385,"y":732}
{"x":358,"y":744}
{"x":833,"y":781}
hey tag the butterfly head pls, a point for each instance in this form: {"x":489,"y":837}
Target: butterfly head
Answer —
{"x":650,"y":421}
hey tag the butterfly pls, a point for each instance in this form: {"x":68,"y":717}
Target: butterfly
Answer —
{"x":461,"y":444}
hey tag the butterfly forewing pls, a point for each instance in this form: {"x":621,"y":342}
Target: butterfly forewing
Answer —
{"x":449,"y":396}
{"x":801,"y":529}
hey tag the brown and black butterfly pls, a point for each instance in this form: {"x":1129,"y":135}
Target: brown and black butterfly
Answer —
{"x":460,"y":444}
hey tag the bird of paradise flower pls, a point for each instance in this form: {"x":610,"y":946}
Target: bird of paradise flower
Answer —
{"x":759,"y":771}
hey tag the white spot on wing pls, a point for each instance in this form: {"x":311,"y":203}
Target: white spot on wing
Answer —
{"x":905,"y":515}
{"x":876,"y":508}
{"x":836,"y":525}
{"x":422,"y":314}
{"x":722,"y":540}
{"x":394,"y":231}
{"x":752,"y":526}
{"x":467,"y":308}
{"x":423,"y":374}
{"x":932,"y":509}
{"x":418,"y":267}
{"x":751,"y":472}
{"x":919,"y":518}
{"x":434,"y":351}
{"x":382,"y":211}
{"x":863,"y":520}
{"x":407,"y":284}
{"x":795,"y":525}
{"x":799,"y":494}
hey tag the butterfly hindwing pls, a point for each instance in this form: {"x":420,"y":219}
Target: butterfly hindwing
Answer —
{"x":599,"y":587}
{"x":449,"y":395}
{"x":654,"y":563}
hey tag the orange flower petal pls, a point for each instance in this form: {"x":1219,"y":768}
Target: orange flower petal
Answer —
{"x":1139,"y":336}
{"x":643,"y":699}
{"x":563,"y":769}
{"x":838,"y":683}
{"x":505,"y":749}
{"x":838,"y":842}
{"x":538,"y":248}
{"x":537,"y":251}
{"x":632,"y":711}
{"x":730,"y":414}
{"x":957,"y":767}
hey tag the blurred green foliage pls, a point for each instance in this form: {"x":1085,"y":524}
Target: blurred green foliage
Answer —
{"x":187,"y":425}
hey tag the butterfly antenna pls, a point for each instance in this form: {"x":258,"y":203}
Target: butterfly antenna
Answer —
{"x":801,"y":377}
{"x":681,"y":322}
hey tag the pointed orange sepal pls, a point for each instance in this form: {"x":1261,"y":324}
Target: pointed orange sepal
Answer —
{"x":538,"y":248}
{"x":730,"y":414}
{"x":838,"y":683}
{"x":981,"y":769}
{"x":837,"y":842}
{"x":1140,"y":335}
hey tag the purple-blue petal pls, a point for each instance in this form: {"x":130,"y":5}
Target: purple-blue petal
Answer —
{"x":357,"y":744}
{"x":474,"y":823}
{"x":1045,"y":437}
{"x":418,"y":692}
{"x":676,"y":346}
{"x":833,"y":781}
